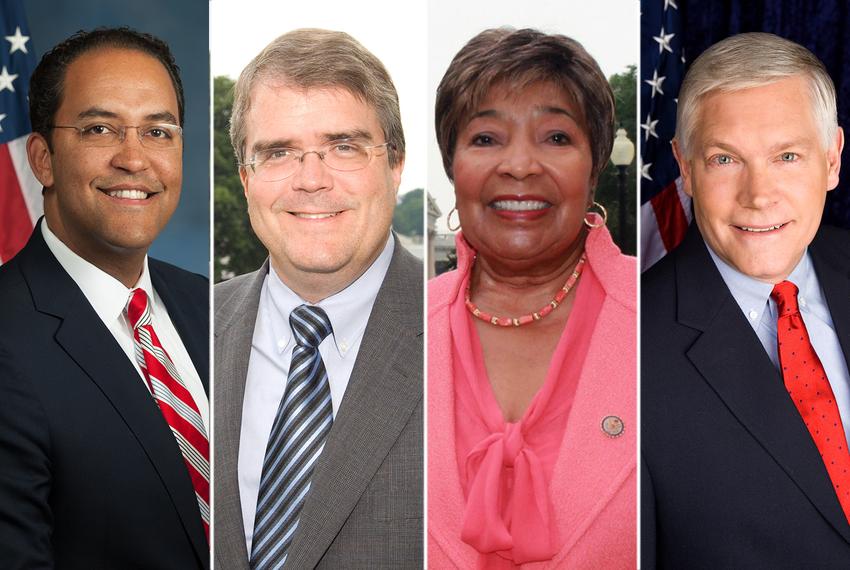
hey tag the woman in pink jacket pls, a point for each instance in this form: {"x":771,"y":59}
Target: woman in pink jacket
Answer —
{"x":531,"y":366}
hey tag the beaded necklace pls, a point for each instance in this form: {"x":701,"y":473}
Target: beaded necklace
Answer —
{"x":535,"y":316}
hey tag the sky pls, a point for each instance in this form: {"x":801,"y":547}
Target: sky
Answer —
{"x":416,"y":41}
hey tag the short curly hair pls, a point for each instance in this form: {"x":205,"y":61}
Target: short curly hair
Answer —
{"x":47,"y":81}
{"x":520,"y":58}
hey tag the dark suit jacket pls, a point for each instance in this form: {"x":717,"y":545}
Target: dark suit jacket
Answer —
{"x":90,"y":474}
{"x":364,"y":509}
{"x":730,"y":475}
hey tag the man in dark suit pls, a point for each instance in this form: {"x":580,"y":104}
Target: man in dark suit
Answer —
{"x":333,"y":479}
{"x":746,"y":326}
{"x":103,"y":352}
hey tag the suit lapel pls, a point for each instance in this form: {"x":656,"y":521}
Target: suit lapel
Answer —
{"x":445,"y":495}
{"x":834,"y":278}
{"x":234,"y":332}
{"x":89,"y":343}
{"x":732,"y":360}
{"x":384,"y":389}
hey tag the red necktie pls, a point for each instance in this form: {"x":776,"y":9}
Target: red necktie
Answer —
{"x":174,"y":400}
{"x":807,"y":385}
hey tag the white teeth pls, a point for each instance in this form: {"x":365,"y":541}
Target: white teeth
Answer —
{"x":316,"y":216}
{"x":760,"y":230}
{"x":129,"y":194}
{"x":520,"y":205}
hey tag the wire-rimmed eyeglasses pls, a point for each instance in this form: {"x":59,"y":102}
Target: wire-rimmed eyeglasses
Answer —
{"x":275,"y":164}
{"x":154,"y":136}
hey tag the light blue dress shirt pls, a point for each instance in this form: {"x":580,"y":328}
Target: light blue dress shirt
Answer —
{"x":271,"y":353}
{"x":753,"y":297}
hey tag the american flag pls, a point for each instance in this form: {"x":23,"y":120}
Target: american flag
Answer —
{"x":665,"y":210}
{"x":20,"y":192}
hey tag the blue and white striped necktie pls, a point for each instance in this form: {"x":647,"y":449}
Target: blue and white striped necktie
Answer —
{"x":298,"y":435}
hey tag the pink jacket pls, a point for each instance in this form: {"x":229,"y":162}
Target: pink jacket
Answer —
{"x":594,"y":485}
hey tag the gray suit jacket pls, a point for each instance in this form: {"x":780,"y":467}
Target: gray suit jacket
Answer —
{"x":364,"y":509}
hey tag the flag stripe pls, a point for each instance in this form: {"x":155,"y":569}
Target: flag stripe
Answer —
{"x":30,"y":188}
{"x":670,"y":216}
{"x":14,"y":216}
{"x":651,"y":246}
{"x":20,"y":193}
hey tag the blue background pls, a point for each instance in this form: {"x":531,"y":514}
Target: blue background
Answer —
{"x":183,"y":24}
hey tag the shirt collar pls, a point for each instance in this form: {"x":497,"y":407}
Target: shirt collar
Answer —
{"x":347,"y":310}
{"x":753,"y":296}
{"x":107,"y":296}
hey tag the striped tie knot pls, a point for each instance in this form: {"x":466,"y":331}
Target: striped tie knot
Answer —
{"x":137,"y":309}
{"x":310,"y":325}
{"x":785,"y":295}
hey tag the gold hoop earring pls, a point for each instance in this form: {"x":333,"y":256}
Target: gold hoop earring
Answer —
{"x":602,"y":211}
{"x":449,"y":220}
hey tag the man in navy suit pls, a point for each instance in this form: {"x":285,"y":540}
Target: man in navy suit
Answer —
{"x":91,"y":473}
{"x":735,"y":472}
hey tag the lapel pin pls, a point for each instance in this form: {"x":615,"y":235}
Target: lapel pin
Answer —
{"x":613,"y":426}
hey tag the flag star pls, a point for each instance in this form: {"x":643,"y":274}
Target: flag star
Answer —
{"x":2,"y":116}
{"x":644,"y":171}
{"x":670,"y":3}
{"x":18,"y":41}
{"x":649,"y":127}
{"x":655,"y":82}
{"x":664,"y":41}
{"x":6,"y":80}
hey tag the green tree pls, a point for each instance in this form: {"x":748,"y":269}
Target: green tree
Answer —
{"x":237,"y":250}
{"x":407,"y":218}
{"x":624,"y":86}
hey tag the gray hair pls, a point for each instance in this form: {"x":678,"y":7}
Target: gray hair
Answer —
{"x":753,"y":60}
{"x":311,"y":58}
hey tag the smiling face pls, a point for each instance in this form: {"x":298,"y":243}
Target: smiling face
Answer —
{"x":758,"y":175}
{"x":318,"y":224}
{"x":522,"y":173}
{"x":104,"y":202}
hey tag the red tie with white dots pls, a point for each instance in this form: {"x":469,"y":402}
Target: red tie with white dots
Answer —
{"x":808,"y":387}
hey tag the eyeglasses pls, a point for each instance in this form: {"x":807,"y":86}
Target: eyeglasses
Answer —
{"x":275,"y":164}
{"x":157,"y":136}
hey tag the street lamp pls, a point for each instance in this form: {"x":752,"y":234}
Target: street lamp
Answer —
{"x":622,"y":156}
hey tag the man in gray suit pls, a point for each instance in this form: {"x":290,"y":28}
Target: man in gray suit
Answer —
{"x":318,"y":369}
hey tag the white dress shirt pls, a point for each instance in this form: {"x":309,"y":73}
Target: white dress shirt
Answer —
{"x":753,"y":297}
{"x":108,"y":297}
{"x":271,"y":352}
